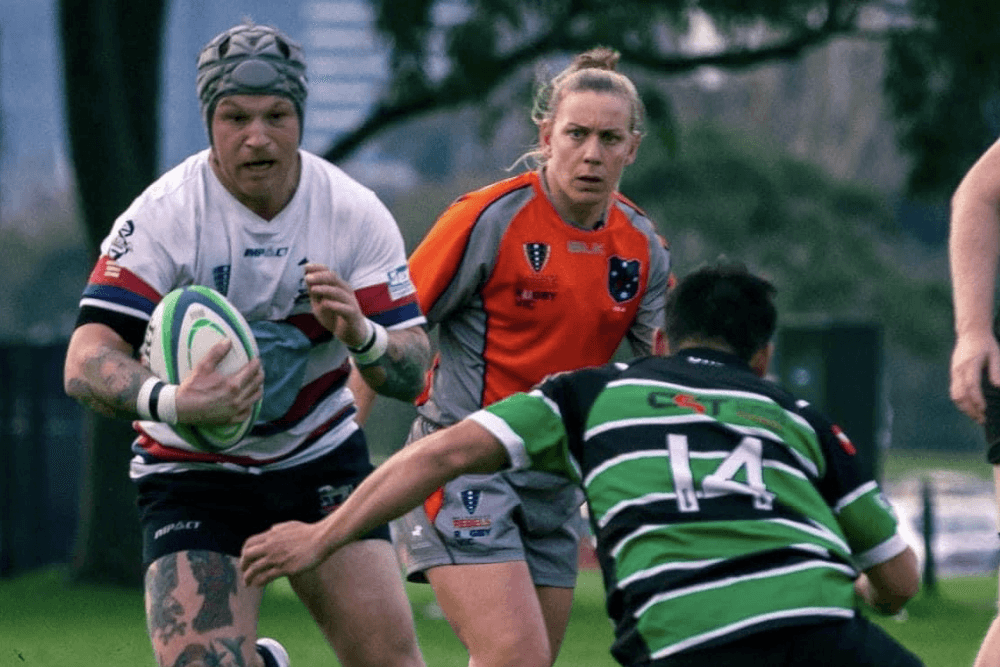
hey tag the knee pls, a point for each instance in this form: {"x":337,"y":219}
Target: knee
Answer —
{"x":397,"y":653}
{"x":510,"y":650}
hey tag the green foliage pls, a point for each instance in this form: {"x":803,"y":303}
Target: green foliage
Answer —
{"x":476,"y":51}
{"x":943,"y":84}
{"x":831,"y":247}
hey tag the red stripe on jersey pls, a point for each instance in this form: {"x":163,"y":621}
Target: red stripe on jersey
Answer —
{"x":108,"y":272}
{"x":154,"y":448}
{"x":375,"y":300}
{"x":311,"y":327}
{"x":311,"y":394}
{"x":845,"y":442}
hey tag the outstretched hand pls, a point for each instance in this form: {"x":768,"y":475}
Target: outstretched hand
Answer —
{"x":973,"y":354}
{"x":285,"y":549}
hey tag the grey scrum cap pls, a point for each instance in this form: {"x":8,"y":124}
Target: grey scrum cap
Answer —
{"x":251,"y":59}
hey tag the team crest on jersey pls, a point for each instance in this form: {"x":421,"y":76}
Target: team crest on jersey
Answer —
{"x":623,"y":278}
{"x":470,"y":499}
{"x":537,"y":254}
{"x":466,"y":529}
{"x":120,"y":245}
{"x":220,"y":276}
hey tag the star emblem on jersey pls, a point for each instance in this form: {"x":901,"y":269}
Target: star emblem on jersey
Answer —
{"x":470,"y":498}
{"x":623,"y":278}
{"x":537,"y":255}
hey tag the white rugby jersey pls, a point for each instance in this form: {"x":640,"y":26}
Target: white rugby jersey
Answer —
{"x":186,"y":228}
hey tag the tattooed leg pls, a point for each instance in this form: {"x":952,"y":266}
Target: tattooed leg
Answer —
{"x":199,"y":614}
{"x":208,"y":655}
{"x":216,"y":577}
{"x":164,"y":612}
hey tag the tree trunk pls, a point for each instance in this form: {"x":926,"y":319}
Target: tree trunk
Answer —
{"x":108,"y":547}
{"x":111,"y":58}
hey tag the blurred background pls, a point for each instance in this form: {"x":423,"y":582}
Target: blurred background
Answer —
{"x":816,"y":140}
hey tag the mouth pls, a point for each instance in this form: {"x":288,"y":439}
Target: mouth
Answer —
{"x":259,"y":165}
{"x":589,"y":182}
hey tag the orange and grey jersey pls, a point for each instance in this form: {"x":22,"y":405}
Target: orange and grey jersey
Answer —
{"x":517,"y":293}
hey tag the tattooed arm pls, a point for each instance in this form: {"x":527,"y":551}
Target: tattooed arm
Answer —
{"x":399,"y":373}
{"x":102,"y":373}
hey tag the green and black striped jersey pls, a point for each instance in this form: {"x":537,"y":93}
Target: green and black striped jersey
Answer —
{"x":722,"y":506}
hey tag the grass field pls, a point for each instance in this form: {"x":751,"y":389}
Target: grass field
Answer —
{"x":46,"y":623}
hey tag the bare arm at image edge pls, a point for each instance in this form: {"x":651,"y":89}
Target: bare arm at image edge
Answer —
{"x":973,"y":250}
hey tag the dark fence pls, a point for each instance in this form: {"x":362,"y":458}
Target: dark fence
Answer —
{"x":41,"y":433}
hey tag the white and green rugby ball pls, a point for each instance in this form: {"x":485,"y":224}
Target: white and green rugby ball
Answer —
{"x":182,"y":328}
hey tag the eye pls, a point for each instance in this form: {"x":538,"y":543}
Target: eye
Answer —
{"x":611,"y":138}
{"x":234,"y":117}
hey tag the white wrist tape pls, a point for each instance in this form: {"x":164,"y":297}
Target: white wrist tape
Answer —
{"x":157,"y":401}
{"x":374,"y":348}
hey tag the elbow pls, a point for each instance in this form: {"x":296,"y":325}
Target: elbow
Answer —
{"x":895,"y":582}
{"x":72,"y":380}
{"x":896,"y":597}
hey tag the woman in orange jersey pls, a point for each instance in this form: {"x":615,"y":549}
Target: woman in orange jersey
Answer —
{"x":544,"y":272}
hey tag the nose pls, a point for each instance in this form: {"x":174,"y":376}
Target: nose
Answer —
{"x":592,"y":149}
{"x":257,"y":133}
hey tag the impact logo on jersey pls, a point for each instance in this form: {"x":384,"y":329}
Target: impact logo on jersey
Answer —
{"x":623,"y":278}
{"x":537,"y":254}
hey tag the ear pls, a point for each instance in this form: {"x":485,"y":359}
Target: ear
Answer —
{"x":545,"y":137}
{"x":636,"y":140}
{"x":761,"y":359}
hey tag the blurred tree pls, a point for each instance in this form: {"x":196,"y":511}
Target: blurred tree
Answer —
{"x":111,"y":63}
{"x":943,"y":80}
{"x":435,"y":66}
{"x":943,"y":85}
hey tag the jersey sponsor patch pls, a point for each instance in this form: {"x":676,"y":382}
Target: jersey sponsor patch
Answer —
{"x":537,"y":254}
{"x":533,"y":288}
{"x":399,"y":282}
{"x":623,"y":278}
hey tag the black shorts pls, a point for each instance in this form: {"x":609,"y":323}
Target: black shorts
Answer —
{"x":218,"y":510}
{"x":856,"y":642}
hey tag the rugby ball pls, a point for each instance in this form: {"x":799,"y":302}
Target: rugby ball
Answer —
{"x":182,"y":328}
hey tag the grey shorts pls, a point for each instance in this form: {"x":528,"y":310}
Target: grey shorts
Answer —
{"x":529,"y":516}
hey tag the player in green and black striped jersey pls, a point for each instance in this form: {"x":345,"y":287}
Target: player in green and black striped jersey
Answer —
{"x":733,"y":523}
